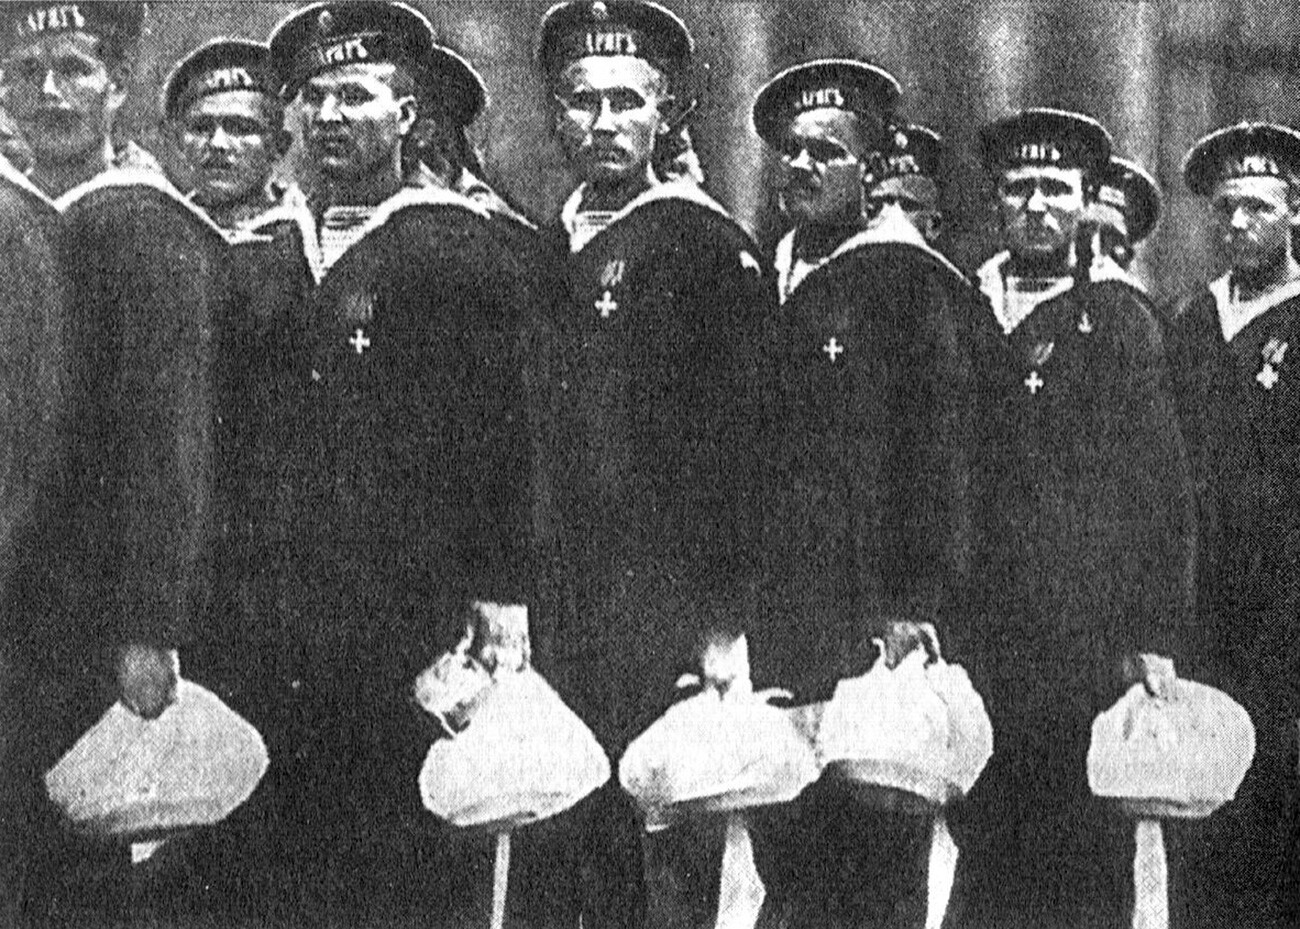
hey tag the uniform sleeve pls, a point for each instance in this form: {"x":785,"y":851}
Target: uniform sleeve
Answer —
{"x":484,"y":308}
{"x":33,"y":313}
{"x":146,"y":278}
{"x":734,"y":302}
{"x":545,"y":382}
{"x":1147,"y":523}
{"x":938,"y":463}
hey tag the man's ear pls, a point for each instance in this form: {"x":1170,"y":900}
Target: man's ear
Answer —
{"x":116,"y":97}
{"x":409,"y":112}
{"x":669,"y":114}
{"x":1292,"y":198}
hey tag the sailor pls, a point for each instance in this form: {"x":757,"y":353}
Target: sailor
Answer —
{"x":1229,"y":343}
{"x":1123,"y":213}
{"x":226,"y":120}
{"x":907,"y":174}
{"x":111,"y":579}
{"x":1086,"y":531}
{"x":392,"y":454}
{"x":657,"y":335}
{"x":65,"y":73}
{"x":868,"y":525}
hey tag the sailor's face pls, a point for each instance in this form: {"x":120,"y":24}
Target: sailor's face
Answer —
{"x":61,"y":94}
{"x":822,"y":171}
{"x":610,"y":111}
{"x":230,"y":144}
{"x":1253,"y":218}
{"x":1040,"y":208}
{"x":353,"y":120}
{"x":914,"y":200}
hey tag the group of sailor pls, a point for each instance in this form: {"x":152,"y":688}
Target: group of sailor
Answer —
{"x":297,"y":412}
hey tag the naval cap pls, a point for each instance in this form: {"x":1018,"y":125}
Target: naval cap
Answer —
{"x":912,"y":150}
{"x":581,"y":28}
{"x":1045,"y":137}
{"x":1127,"y":188}
{"x":1250,"y":149}
{"x":838,"y":83}
{"x":215,"y":67}
{"x":117,"y":20}
{"x":329,"y":35}
{"x":451,"y":88}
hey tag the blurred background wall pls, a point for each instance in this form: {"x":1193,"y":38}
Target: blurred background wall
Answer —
{"x":1157,"y":73}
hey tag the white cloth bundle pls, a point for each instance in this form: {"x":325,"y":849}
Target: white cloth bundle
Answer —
{"x":524,"y":756}
{"x":717,"y":753}
{"x":138,"y":779}
{"x":723,"y":749}
{"x":1182,"y":756}
{"x":916,"y":728}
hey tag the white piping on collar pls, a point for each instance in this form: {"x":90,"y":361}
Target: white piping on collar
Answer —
{"x":24,"y":183}
{"x":892,"y":229}
{"x":143,"y":177}
{"x":294,"y":208}
{"x":1236,"y":315}
{"x":785,"y":269}
{"x":667,"y":190}
{"x":992,"y":282}
{"x":1105,"y":268}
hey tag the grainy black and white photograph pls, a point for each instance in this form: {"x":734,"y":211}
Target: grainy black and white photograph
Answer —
{"x":650,"y":464}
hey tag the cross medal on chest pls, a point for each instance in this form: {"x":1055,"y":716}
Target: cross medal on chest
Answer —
{"x":1273,"y":353}
{"x":610,"y":277}
{"x":606,"y":304}
{"x":1042,"y":352}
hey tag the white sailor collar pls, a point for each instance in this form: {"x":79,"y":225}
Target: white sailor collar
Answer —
{"x":665,"y":190}
{"x":132,"y":176}
{"x":1236,"y":315}
{"x":992,"y":283}
{"x":892,"y":229}
{"x":294,"y":208}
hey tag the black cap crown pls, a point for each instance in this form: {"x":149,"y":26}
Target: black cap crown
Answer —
{"x":1250,"y":149}
{"x":1046,"y":137}
{"x":450,"y":87}
{"x":1125,"y":186}
{"x":582,"y":28}
{"x":329,"y":35}
{"x":216,"y":67}
{"x":839,"y":83}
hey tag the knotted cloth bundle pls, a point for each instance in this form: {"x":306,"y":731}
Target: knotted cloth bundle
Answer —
{"x":916,"y":736}
{"x":918,"y":729}
{"x":524,"y":756}
{"x":721,"y":750}
{"x":1183,"y":755}
{"x":138,"y":780}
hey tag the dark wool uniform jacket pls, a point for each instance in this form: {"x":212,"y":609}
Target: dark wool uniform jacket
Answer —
{"x":1086,"y":522}
{"x":658,"y":420}
{"x":391,"y":449}
{"x":1239,"y":402}
{"x":120,"y":549}
{"x":869,"y":490}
